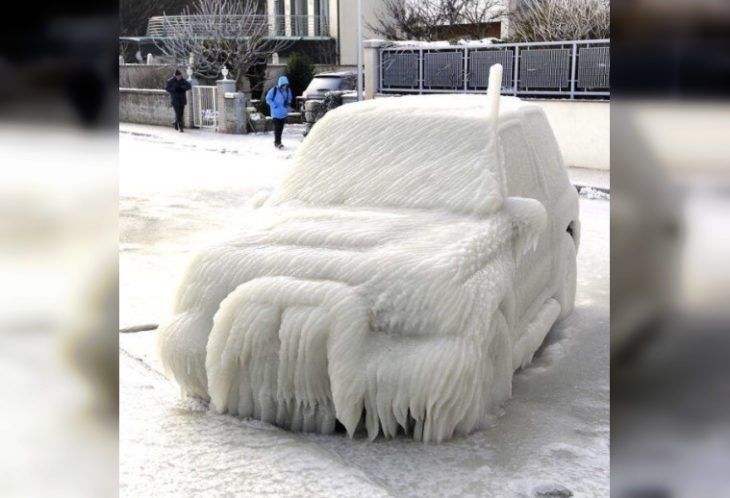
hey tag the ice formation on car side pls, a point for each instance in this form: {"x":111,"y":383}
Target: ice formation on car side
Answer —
{"x":376,"y":285}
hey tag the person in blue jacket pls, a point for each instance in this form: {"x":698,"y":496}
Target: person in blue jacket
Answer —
{"x":279,"y":98}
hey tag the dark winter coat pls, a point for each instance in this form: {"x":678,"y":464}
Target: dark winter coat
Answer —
{"x":177,"y":89}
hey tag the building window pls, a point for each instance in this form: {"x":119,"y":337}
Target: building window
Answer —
{"x":321,"y":12}
{"x":279,"y":25}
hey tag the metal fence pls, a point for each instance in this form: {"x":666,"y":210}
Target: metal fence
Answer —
{"x":273,"y":25}
{"x":570,"y":69}
{"x":205,"y":111}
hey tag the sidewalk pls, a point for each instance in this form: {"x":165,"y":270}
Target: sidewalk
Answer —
{"x":209,"y":140}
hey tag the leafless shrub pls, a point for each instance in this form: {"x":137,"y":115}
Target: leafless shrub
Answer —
{"x":427,"y":19}
{"x":556,"y":20}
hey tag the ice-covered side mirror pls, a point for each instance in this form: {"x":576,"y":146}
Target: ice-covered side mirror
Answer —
{"x":529,"y":219}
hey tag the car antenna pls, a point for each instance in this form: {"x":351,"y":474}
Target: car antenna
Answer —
{"x":493,"y":93}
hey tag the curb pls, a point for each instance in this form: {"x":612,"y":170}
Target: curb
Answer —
{"x":580,"y":187}
{"x":138,"y":328}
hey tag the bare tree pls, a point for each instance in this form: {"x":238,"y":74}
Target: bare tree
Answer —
{"x":217,"y":33}
{"x":429,"y":20}
{"x":398,"y":20}
{"x":556,"y":20}
{"x":478,"y":14}
{"x":326,"y":56}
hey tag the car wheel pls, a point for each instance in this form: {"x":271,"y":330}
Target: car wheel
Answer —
{"x":566,"y":292}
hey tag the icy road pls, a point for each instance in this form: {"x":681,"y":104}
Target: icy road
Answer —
{"x":179,"y":191}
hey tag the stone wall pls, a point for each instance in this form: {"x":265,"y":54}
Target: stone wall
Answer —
{"x":155,"y":75}
{"x":149,"y":106}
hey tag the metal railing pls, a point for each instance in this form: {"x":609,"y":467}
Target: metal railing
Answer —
{"x":570,"y":69}
{"x":273,"y":25}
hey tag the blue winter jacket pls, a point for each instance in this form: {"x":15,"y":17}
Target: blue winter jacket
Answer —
{"x":278,"y":99}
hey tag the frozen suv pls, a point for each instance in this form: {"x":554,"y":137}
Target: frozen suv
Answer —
{"x":415,"y":255}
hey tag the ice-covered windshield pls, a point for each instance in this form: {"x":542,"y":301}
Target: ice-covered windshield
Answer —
{"x":425,"y":152}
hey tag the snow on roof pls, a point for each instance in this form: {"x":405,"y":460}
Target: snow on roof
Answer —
{"x":476,"y":104}
{"x":442,"y":43}
{"x":334,"y":73}
{"x":421,"y":152}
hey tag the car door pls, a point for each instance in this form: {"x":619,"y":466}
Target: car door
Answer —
{"x":524,"y":179}
{"x":562,"y":194}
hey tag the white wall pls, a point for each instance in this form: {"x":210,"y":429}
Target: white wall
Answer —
{"x":583,"y":131}
{"x":348,"y":25}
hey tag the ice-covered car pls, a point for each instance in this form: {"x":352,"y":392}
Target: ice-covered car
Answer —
{"x":415,"y":255}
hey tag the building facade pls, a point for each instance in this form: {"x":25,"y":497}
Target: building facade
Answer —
{"x":336,"y":19}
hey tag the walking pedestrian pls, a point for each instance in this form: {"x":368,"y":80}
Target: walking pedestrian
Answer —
{"x":279,"y":99}
{"x":177,"y":86}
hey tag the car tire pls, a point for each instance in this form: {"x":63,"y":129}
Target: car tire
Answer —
{"x":568,"y":283}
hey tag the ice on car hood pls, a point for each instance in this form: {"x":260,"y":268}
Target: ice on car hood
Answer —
{"x":403,"y":260}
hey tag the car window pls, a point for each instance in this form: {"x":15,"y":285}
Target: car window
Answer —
{"x":321,"y":84}
{"x":546,"y":150}
{"x":521,"y":180}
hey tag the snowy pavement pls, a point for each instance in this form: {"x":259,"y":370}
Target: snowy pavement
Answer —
{"x":179,"y":191}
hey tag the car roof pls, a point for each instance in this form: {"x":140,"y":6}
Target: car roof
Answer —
{"x":334,"y":74}
{"x":439,"y":104}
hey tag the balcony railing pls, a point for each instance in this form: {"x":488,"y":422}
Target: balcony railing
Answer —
{"x":295,"y":26}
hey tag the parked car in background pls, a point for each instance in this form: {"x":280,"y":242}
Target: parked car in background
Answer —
{"x":323,"y":83}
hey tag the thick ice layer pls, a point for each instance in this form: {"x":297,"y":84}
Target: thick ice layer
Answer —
{"x":368,"y":288}
{"x":408,"y":152}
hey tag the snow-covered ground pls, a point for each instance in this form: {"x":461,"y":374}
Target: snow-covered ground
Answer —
{"x":177,"y":191}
